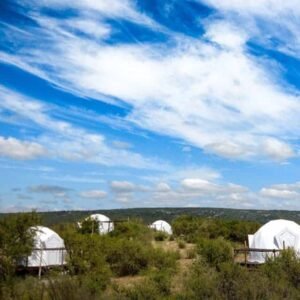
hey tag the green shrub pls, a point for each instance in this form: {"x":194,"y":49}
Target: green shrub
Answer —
{"x":133,"y":229}
{"x":88,"y":226}
{"x":200,"y":283}
{"x":192,"y":228}
{"x":147,"y":290}
{"x":286,"y":266}
{"x":181,"y":244}
{"x":163,"y":260}
{"x":86,"y":260}
{"x":127,"y":257}
{"x":160,"y":236}
{"x":215,"y":251}
{"x":16,"y":241}
{"x":156,"y":286}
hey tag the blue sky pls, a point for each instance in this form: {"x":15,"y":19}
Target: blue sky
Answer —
{"x":123,"y":103}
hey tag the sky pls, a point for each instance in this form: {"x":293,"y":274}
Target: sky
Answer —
{"x":136,"y":103}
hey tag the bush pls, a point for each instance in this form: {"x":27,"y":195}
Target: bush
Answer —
{"x":89,"y":225}
{"x":164,"y":260}
{"x":192,"y":228}
{"x":86,"y":260}
{"x":127,"y":257}
{"x":156,"y":286}
{"x":147,"y":290}
{"x":284,"y":267}
{"x":200,"y":283}
{"x":160,"y":236}
{"x":181,"y":244}
{"x":215,"y":251}
{"x":132,"y":230}
{"x":16,"y":241}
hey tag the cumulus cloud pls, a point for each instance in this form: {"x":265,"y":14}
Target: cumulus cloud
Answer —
{"x":93,"y":194}
{"x":22,"y":150}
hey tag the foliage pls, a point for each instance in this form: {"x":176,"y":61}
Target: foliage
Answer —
{"x":215,"y":251}
{"x":193,"y":228}
{"x":156,"y":286}
{"x":132,"y":229}
{"x":181,"y":244}
{"x":160,"y":236}
{"x":163,"y":260}
{"x":89,"y":225}
{"x":200,"y":283}
{"x":285,"y":267}
{"x":94,"y":259}
{"x":85,"y":257}
{"x":16,"y":241}
{"x":127,"y":257}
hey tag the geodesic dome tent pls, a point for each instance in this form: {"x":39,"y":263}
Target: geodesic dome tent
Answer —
{"x":274,"y":235}
{"x":105,"y":224}
{"x":49,"y":249}
{"x":161,"y":225}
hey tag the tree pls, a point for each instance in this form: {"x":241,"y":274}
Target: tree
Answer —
{"x":16,"y":240}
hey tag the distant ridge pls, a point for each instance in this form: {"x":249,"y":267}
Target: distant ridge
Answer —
{"x":168,"y":214}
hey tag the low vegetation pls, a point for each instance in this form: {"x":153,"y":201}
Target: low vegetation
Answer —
{"x":134,"y":262}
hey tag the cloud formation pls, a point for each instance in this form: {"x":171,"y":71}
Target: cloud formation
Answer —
{"x":21,"y":150}
{"x":62,"y":139}
{"x":210,"y":92}
{"x":93,"y":194}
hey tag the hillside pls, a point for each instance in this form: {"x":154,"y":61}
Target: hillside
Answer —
{"x":151,"y":214}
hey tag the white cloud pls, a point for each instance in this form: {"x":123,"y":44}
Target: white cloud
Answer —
{"x":273,"y":24}
{"x":22,"y":150}
{"x":196,"y":184}
{"x":261,"y":7}
{"x":63,"y":139}
{"x":277,"y":149}
{"x":225,"y":35}
{"x":122,"y":186}
{"x":93,"y":194}
{"x":281,"y":194}
{"x":289,"y":191}
{"x":211,"y":92}
{"x":163,"y":187}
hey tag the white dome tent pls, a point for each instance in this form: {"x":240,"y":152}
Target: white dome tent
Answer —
{"x":105,"y":224}
{"x":161,"y":225}
{"x":274,"y":235}
{"x":49,"y":249}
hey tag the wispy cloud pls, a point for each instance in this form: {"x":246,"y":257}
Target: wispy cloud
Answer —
{"x":210,"y":92}
{"x":62,"y":139}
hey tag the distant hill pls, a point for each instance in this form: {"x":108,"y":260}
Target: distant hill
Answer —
{"x":168,"y":214}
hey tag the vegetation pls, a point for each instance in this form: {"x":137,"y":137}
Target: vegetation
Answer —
{"x":16,"y":241}
{"x":169,"y":214}
{"x":135,"y":262}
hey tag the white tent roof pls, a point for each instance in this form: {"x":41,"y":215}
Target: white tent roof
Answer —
{"x":275,"y":234}
{"x":49,"y":249}
{"x":161,"y":225}
{"x":105,"y":224}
